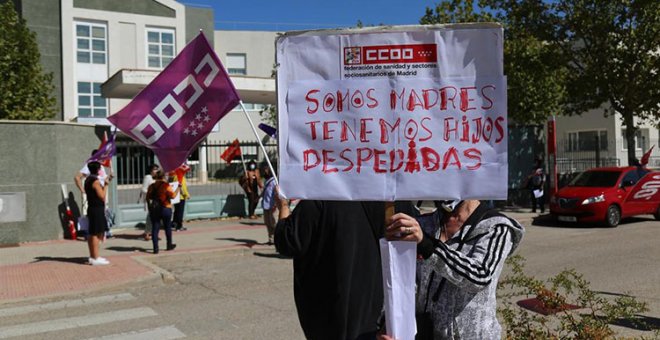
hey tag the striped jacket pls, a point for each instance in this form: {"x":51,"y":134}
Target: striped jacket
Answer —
{"x":457,"y":280}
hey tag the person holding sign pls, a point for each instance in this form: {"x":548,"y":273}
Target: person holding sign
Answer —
{"x":536,"y":183}
{"x":337,"y":272}
{"x":464,"y":245}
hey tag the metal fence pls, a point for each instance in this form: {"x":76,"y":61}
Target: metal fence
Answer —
{"x":219,"y":177}
{"x":576,"y":157}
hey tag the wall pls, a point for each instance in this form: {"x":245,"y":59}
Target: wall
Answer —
{"x":37,"y":157}
{"x":259,"y":48}
{"x":199,"y":19}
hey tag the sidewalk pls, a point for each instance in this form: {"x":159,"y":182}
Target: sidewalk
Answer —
{"x":52,"y":268}
{"x":59,"y":267}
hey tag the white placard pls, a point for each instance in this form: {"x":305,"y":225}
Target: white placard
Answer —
{"x":398,"y":264}
{"x":176,"y":198}
{"x":410,"y":113}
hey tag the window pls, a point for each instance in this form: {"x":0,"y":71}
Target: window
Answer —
{"x":90,"y":102}
{"x":91,"y":43}
{"x":160,"y":47}
{"x":587,"y":140}
{"x":641,"y":139}
{"x":236,"y":63}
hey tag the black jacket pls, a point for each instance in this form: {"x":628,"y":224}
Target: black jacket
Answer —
{"x":337,"y":271}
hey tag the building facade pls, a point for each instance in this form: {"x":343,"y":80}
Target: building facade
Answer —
{"x":247,"y":56}
{"x":593,"y":133}
{"x":85,"y":42}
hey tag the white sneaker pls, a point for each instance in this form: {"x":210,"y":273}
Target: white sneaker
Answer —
{"x":98,"y":261}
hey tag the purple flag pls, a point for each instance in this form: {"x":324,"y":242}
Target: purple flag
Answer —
{"x":181,"y":105}
{"x":269,"y":130}
{"x":105,"y":152}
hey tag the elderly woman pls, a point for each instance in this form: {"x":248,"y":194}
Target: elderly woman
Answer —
{"x":464,"y":245}
{"x":160,"y":194}
{"x":96,"y":194}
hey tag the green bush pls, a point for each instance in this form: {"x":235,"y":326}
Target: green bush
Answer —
{"x":590,"y":320}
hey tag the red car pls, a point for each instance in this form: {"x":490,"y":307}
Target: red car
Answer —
{"x":606,"y":195}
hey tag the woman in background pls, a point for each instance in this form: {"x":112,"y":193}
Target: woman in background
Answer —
{"x":96,"y":194}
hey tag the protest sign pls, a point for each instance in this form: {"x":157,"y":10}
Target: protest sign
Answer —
{"x":415,"y":112}
{"x":181,"y":105}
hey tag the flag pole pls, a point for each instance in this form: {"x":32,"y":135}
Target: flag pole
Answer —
{"x":270,"y":166}
{"x":242,"y":159}
{"x":105,"y":134}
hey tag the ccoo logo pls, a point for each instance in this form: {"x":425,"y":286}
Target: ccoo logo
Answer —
{"x":391,"y":54}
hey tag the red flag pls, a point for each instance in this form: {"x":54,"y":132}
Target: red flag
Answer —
{"x":232,"y":151}
{"x":647,"y":155}
{"x":181,"y":171}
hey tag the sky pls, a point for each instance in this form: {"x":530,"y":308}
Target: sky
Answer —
{"x":286,"y":15}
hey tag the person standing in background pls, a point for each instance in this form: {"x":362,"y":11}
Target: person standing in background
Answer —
{"x":96,"y":194}
{"x":146,"y":182}
{"x":160,"y":194}
{"x":80,"y":176}
{"x":536,"y":184}
{"x":179,"y":208}
{"x":252,"y":186}
{"x":268,"y":204}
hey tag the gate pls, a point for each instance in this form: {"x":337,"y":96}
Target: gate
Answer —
{"x":212,"y":182}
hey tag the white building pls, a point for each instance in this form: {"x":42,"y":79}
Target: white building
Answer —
{"x":593,"y":131}
{"x":249,"y":57}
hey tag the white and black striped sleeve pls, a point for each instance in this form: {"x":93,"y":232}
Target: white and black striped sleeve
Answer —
{"x":478,"y":269}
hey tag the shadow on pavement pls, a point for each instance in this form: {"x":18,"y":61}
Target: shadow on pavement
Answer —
{"x":548,"y":220}
{"x":640,"y":323}
{"x":273,"y":255}
{"x":127,"y":249}
{"x":255,"y":222}
{"x":242,"y":241}
{"x":129,"y":236}
{"x":76,"y":260}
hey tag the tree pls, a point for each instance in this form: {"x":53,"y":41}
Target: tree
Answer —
{"x":613,"y":52}
{"x":535,"y":83}
{"x":26,"y":89}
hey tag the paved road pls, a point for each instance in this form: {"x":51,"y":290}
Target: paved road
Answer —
{"x":247,"y":293}
{"x":238,"y":294}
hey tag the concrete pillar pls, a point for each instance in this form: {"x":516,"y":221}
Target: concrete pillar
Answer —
{"x":202,"y":172}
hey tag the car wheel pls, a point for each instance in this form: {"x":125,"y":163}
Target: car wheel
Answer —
{"x":613,"y":216}
{"x":657,"y":213}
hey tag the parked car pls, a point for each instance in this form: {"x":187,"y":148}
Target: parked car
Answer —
{"x":606,"y":195}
